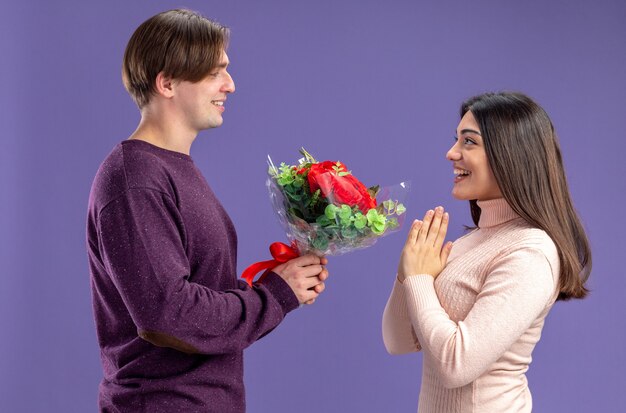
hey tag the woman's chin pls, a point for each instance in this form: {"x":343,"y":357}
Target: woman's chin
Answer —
{"x":459,"y":196}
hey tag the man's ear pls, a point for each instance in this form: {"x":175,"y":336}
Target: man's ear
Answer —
{"x":164,"y":85}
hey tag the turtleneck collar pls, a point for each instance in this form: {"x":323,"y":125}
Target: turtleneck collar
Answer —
{"x":495,"y":212}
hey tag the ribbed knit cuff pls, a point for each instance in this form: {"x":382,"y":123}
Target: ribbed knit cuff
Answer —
{"x":281,"y":291}
{"x":420,"y":292}
{"x":397,"y":301}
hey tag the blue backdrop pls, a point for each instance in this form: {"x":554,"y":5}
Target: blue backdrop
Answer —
{"x":374,"y":84}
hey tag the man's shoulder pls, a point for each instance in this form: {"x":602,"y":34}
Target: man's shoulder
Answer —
{"x":110,"y":179}
{"x":128,"y":166}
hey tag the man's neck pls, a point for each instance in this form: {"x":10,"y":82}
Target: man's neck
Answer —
{"x":164,"y":131}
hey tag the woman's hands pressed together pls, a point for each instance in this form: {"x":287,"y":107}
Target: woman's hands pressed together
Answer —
{"x":424,"y":252}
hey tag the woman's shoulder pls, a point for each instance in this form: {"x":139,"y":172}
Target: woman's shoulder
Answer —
{"x":525,"y":235}
{"x":521,"y":236}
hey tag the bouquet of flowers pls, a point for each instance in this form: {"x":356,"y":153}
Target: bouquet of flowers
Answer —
{"x":326,"y":210}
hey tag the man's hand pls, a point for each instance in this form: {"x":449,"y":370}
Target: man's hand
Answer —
{"x":305,"y":275}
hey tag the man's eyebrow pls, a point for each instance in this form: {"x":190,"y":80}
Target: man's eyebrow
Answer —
{"x":470,"y":131}
{"x":218,"y":66}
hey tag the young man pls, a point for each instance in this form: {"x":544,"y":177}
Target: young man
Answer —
{"x":172,"y":318}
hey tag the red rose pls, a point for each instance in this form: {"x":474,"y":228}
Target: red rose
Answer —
{"x":339,"y":189}
{"x":320,"y":168}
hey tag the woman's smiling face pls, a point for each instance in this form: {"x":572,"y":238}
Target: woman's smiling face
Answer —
{"x":474,"y":178}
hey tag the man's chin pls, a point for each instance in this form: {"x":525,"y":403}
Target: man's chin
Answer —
{"x":213,"y":124}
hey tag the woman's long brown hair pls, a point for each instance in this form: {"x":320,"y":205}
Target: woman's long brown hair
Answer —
{"x":524,"y":154}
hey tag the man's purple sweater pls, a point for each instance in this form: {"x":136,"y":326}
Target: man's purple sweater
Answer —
{"x":172,"y":319}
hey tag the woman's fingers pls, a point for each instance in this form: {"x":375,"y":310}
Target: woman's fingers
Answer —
{"x":423,"y":252}
{"x":433,"y":232}
{"x":445,"y":252}
{"x":421,"y":237}
{"x":413,"y":232}
{"x":443,"y":229}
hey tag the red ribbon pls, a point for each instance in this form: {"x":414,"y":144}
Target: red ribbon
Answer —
{"x":281,"y":253}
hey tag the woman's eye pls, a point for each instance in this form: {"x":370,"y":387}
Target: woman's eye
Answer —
{"x":466,"y":141}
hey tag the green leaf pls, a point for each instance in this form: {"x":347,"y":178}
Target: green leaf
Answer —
{"x":389,"y":204}
{"x":392,"y":223}
{"x":372,"y":216}
{"x":345,"y":212}
{"x":378,"y":228}
{"x":360,"y":221}
{"x":382,"y":219}
{"x":349,"y":232}
{"x":296,"y":213}
{"x":376,"y":221}
{"x":400,"y":209}
{"x":330,"y":211}
{"x":332,"y":234}
{"x":320,"y":242}
{"x":285,"y":180}
{"x":314,"y":198}
{"x":323,"y":220}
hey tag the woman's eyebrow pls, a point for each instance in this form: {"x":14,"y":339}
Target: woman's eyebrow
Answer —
{"x":470,"y":131}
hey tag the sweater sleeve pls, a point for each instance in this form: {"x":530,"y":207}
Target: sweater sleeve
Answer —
{"x":398,"y":334}
{"x":515,"y":292}
{"x":143,"y":253}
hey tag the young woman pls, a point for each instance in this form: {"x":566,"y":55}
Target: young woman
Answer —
{"x":476,"y":307}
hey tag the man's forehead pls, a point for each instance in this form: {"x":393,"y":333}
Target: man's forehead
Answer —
{"x":224,"y":61}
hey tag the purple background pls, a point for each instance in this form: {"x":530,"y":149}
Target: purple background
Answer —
{"x":374,"y":84}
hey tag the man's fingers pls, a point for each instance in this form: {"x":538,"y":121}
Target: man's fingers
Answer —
{"x":310,"y":270}
{"x":306,"y":276}
{"x":308,"y":283}
{"x":308,"y":296}
{"x":305,"y":260}
{"x":319,"y":288}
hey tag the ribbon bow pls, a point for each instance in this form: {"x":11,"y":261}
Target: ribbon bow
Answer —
{"x":281,"y":253}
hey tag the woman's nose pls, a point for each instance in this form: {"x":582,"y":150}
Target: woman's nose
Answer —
{"x":453,"y":154}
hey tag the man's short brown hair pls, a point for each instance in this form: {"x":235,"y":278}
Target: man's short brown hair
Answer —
{"x":180,"y":43}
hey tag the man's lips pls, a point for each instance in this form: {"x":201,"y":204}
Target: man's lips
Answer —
{"x":219,"y":104}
